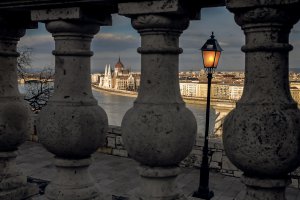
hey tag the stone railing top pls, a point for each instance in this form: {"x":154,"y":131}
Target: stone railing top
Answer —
{"x":231,"y":4}
{"x":57,"y":3}
{"x":110,"y":4}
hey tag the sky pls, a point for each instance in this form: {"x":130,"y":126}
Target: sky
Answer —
{"x":122,"y":40}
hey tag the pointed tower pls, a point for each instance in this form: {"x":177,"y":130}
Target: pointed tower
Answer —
{"x":119,"y":67}
{"x":109,"y":77}
{"x":105,"y":73}
{"x":109,"y":71}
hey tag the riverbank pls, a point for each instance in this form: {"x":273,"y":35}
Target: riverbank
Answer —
{"x":188,"y":100}
{"x":115,"y":92}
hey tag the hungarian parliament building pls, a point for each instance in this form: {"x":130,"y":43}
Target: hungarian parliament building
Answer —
{"x":225,"y":85}
{"x":118,"y":79}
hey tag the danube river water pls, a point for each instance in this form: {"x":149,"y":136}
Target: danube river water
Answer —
{"x":116,"y":106}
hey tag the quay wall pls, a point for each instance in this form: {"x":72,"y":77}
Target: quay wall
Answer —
{"x":115,"y":92}
{"x":189,"y":100}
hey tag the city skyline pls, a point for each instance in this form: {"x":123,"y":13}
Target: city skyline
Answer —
{"x":122,"y":40}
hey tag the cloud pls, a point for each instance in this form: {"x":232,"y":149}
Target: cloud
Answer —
{"x":37,"y":40}
{"x":121,"y":39}
{"x":114,"y":42}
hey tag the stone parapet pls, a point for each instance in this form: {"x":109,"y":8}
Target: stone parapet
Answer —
{"x":218,"y":161}
{"x":114,"y":143}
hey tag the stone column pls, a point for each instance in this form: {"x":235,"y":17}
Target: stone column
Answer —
{"x":14,"y":118}
{"x":159,"y":131}
{"x":261,"y":135}
{"x":72,"y":126}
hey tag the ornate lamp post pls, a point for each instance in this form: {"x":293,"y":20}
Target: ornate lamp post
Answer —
{"x":211,"y":52}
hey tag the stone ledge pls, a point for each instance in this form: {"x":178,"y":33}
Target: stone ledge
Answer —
{"x":218,"y":160}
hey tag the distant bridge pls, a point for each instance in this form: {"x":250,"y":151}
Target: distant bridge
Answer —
{"x":27,"y":80}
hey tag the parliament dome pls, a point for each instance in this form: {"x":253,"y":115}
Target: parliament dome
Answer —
{"x":119,"y":64}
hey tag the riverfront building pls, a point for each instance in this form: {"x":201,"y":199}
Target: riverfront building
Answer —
{"x":225,"y":85}
{"x":118,"y":78}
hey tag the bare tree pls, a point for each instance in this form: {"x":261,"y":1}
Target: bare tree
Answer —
{"x":24,"y":61}
{"x":39,"y":89}
{"x":38,"y":85}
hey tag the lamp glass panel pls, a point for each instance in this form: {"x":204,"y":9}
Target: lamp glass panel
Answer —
{"x":218,"y":55}
{"x":209,"y":58}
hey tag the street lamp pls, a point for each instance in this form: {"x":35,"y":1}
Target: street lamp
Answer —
{"x":211,"y":52}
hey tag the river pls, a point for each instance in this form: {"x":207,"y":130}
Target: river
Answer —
{"x":116,"y":106}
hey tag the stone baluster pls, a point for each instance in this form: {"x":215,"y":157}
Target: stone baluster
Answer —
{"x":261,"y":135}
{"x":159,"y":131}
{"x":72,"y":126}
{"x":14,"y":118}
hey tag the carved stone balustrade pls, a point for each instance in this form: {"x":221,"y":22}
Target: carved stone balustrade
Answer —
{"x":72,"y":126}
{"x":14,"y":120}
{"x":262,"y":134}
{"x":159,"y":131}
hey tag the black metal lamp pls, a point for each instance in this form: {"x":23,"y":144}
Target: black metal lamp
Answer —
{"x":211,"y":52}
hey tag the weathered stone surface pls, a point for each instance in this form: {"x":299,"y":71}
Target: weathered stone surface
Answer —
{"x":111,"y":142}
{"x":14,"y":116}
{"x":150,"y":7}
{"x":159,"y":131}
{"x":56,"y":14}
{"x":265,"y":188}
{"x":296,"y":172}
{"x":71,"y":13}
{"x":214,"y":165}
{"x":159,"y":122}
{"x":226,"y":172}
{"x":227,"y":165}
{"x":119,"y":140}
{"x":237,"y":174}
{"x":199,"y":142}
{"x":261,"y":135}
{"x":116,"y":130}
{"x":189,"y":8}
{"x":295,"y":183}
{"x":105,"y":150}
{"x":72,"y":181}
{"x":14,"y":121}
{"x":72,"y":125}
{"x":250,"y":4}
{"x":198,"y":160}
{"x":218,"y":144}
{"x":33,"y":4}
{"x":110,"y":134}
{"x":211,"y":144}
{"x":197,"y":151}
{"x":159,"y":183}
{"x":217,"y":156}
{"x":120,"y":152}
{"x":13,"y":183}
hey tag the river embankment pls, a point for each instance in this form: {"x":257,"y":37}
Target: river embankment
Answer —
{"x":189,"y":100}
{"x":115,"y":92}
